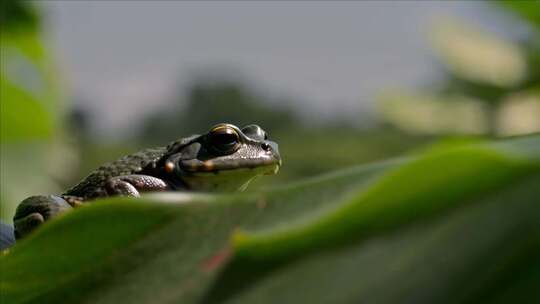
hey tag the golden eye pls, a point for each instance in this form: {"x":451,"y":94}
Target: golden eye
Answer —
{"x":224,"y":139}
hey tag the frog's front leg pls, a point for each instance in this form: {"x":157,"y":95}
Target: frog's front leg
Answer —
{"x":132,"y":185}
{"x":34,"y":210}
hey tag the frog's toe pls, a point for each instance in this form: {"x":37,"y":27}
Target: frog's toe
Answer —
{"x":35,"y":210}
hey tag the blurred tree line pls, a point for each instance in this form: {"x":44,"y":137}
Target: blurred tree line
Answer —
{"x":212,"y":102}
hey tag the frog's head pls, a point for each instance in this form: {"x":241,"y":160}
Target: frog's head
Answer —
{"x":226,"y":158}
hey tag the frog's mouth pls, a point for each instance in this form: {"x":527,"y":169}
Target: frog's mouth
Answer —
{"x":264,"y":166}
{"x":215,"y":175}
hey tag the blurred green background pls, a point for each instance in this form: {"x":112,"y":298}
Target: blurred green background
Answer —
{"x":486,"y":86}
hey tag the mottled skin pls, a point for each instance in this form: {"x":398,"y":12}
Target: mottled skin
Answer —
{"x":226,"y":158}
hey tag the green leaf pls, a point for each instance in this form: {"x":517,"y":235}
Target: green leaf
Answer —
{"x":403,"y":195}
{"x":17,"y":15}
{"x":29,"y":99}
{"x":30,"y":110}
{"x":528,"y":10}
{"x":23,"y":118}
{"x":458,"y":224}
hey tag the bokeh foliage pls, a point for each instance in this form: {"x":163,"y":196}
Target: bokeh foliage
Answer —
{"x":16,"y":15}
{"x":492,"y":80}
{"x":528,"y":10}
{"x":31,"y":108}
{"x":28,"y":100}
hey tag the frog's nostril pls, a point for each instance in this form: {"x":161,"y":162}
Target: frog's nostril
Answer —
{"x":265,"y":146}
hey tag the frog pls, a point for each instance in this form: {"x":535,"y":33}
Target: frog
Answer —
{"x":226,"y":158}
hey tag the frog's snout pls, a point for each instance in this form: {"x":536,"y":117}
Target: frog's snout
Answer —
{"x":272,"y":148}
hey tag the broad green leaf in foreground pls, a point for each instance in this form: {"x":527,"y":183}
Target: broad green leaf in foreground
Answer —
{"x":454,"y":225}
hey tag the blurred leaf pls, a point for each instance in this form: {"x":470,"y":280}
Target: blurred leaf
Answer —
{"x":23,"y":117}
{"x":433,"y":114}
{"x":17,"y":15}
{"x":478,"y":56}
{"x":520,"y":114}
{"x":30,"y":111}
{"x":456,"y":225}
{"x":28,"y":96}
{"x":529,"y":10}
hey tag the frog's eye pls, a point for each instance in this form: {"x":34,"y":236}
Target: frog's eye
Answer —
{"x":224,"y":139}
{"x":255,"y":132}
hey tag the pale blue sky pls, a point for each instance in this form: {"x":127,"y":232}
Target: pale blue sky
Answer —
{"x":333,"y":57}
